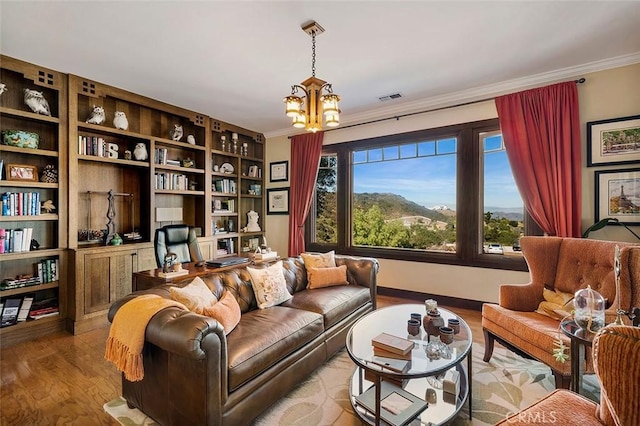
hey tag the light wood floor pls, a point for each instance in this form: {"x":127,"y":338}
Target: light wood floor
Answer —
{"x":64,"y":380}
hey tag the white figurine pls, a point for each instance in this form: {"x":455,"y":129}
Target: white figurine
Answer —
{"x":120,"y":121}
{"x":191,"y":139}
{"x":96,"y":116}
{"x":36,"y":102}
{"x":253,"y":226}
{"x":3,"y":88}
{"x":140,"y":153}
{"x":176,"y":133}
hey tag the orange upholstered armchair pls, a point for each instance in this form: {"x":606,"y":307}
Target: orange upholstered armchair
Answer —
{"x":616,"y":355}
{"x":566,"y":265}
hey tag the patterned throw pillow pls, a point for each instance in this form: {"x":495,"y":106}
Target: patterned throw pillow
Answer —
{"x":269,"y":285}
{"x":319,"y":260}
{"x":327,"y":277}
{"x":556,"y":304}
{"x":226,"y":312}
{"x":195,"y":296}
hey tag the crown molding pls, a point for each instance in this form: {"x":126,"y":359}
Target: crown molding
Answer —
{"x":478,"y":93}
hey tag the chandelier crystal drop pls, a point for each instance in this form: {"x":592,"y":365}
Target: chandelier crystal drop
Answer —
{"x":316,"y":100}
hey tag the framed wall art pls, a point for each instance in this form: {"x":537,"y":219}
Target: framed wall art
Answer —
{"x":613,"y":141}
{"x":618,"y":195}
{"x":278,"y":201}
{"x":279,"y":171}
{"x":22,"y":172}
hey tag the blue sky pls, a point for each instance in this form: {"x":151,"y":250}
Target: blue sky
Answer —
{"x":430,"y":181}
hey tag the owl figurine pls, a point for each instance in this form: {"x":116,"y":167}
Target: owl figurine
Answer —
{"x":120,"y":121}
{"x":140,"y":152}
{"x":36,"y":101}
{"x":3,"y":88}
{"x":96,"y":116}
{"x":176,"y":133}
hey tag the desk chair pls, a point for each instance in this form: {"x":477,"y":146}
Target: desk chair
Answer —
{"x":178,"y":239}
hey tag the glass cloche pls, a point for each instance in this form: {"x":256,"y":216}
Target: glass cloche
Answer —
{"x":589,"y":309}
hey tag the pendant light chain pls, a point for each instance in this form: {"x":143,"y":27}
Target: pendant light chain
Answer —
{"x":313,"y":53}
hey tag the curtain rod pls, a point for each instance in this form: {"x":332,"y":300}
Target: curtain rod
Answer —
{"x":398,"y":117}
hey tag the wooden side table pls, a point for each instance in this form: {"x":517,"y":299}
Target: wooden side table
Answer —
{"x":580,"y":339}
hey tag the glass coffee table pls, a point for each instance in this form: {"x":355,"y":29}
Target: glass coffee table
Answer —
{"x":423,"y":379}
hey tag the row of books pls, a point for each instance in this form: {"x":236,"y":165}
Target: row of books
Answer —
{"x":161,"y":157}
{"x":225,"y":246}
{"x":20,"y":204}
{"x":224,"y":206}
{"x":97,"y":147}
{"x":30,"y":307}
{"x":45,"y":271}
{"x":173,"y":181}
{"x":15,"y":240}
{"x":228,"y":186}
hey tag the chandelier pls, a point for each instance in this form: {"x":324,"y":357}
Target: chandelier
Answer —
{"x":319,"y":99}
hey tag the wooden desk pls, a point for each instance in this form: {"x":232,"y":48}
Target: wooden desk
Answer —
{"x":147,"y":279}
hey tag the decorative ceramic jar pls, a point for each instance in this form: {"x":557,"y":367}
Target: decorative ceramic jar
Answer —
{"x":446,"y":335}
{"x":413,"y":327}
{"x":589,"y":309}
{"x":432,"y":323}
{"x":454,"y":323}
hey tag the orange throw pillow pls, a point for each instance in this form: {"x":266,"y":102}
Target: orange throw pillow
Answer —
{"x":226,"y":312}
{"x":327,"y":277}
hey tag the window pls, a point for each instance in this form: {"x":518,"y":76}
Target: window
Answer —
{"x":440,"y":195}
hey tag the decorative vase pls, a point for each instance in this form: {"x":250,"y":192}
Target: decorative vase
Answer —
{"x":432,"y":323}
{"x":413,"y":327}
{"x":589,"y":309}
{"x":446,"y":335}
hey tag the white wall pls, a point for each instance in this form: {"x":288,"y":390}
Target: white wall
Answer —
{"x":606,"y":94}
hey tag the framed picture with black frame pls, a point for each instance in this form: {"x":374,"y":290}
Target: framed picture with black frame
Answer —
{"x":278,"y":201}
{"x":279,"y":171}
{"x":617,"y":195}
{"x":613,"y":141}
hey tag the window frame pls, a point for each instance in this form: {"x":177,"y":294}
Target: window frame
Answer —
{"x":469,"y":205}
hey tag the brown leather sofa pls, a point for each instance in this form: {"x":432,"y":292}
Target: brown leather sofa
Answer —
{"x":195,"y":375}
{"x":565,"y":264}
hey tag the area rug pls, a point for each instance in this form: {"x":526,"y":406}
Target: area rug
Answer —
{"x":502,"y":386}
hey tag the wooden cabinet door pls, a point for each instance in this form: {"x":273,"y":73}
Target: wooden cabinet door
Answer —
{"x":107,"y":277}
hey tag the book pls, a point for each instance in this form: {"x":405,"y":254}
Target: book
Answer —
{"x":23,"y":313}
{"x":397,"y":406}
{"x":10,"y":311}
{"x":386,"y":354}
{"x":391,"y":343}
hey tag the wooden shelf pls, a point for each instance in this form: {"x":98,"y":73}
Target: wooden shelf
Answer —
{"x":26,"y":184}
{"x":32,"y":218}
{"x":178,"y":169}
{"x":29,"y":151}
{"x":143,"y":164}
{"x":29,"y":115}
{"x":28,"y":289}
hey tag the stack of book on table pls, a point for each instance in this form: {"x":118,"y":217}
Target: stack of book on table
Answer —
{"x":390,"y":354}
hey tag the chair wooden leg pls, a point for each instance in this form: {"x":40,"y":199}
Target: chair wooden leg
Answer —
{"x":562,"y":382}
{"x":488,"y":345}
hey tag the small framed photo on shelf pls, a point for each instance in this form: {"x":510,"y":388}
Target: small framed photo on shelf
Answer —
{"x":613,"y":141}
{"x":22,"y":172}
{"x":618,"y":195}
{"x":253,"y":171}
{"x":279,"y":171}
{"x":278,"y":201}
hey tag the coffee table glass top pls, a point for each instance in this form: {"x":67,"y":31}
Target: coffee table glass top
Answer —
{"x":393,"y":320}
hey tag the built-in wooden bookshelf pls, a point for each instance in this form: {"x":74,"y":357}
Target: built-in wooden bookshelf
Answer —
{"x":43,"y":233}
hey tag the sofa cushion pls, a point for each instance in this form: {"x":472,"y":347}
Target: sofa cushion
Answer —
{"x":333,"y":303}
{"x":327,"y":277}
{"x":319,"y":260}
{"x":196,"y":295}
{"x":269,"y":285}
{"x":226,"y":312}
{"x":266,"y":336}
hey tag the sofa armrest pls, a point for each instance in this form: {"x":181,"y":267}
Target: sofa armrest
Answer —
{"x":362,"y":271}
{"x":178,"y":331}
{"x":520,"y":297}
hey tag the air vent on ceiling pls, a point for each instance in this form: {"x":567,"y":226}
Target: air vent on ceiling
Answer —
{"x":390,"y":97}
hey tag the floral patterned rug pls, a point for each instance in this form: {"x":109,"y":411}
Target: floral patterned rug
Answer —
{"x":506,"y":384}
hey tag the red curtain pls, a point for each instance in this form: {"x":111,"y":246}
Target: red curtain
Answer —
{"x":541,"y":131}
{"x":305,"y":159}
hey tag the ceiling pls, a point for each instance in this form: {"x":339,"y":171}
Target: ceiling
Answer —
{"x":236,"y":60}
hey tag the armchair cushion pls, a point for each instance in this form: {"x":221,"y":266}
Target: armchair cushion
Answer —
{"x":556,"y":304}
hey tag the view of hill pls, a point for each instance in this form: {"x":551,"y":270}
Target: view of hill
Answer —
{"x":395,"y":206}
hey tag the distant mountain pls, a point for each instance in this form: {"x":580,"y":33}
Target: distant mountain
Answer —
{"x":444,"y":210}
{"x":396,"y":206}
{"x":508,"y":215}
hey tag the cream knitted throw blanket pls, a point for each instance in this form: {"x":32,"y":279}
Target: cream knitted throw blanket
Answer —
{"x":126,"y":336}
